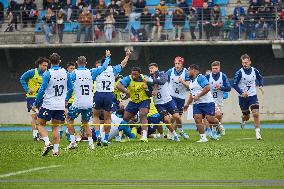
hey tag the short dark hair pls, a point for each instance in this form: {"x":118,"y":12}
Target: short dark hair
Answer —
{"x":153,"y":64}
{"x":41,"y":60}
{"x":136,"y":69}
{"x":194,"y":66}
{"x":70,"y":64}
{"x":216,"y":63}
{"x":245,"y":56}
{"x":54,"y":59}
{"x":81,"y":60}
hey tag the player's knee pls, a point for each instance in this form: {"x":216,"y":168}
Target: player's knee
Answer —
{"x":163,"y":114}
{"x":246,"y":114}
{"x":255,"y":113}
{"x":254,"y":107}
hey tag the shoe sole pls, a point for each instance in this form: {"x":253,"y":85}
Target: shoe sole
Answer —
{"x":47,"y":150}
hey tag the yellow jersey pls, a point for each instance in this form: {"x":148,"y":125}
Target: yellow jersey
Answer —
{"x":153,"y":110}
{"x":117,"y":92}
{"x":137,"y":90}
{"x":34,"y":84}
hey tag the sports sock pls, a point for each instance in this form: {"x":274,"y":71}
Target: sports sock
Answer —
{"x":174,"y":133}
{"x":98,"y":133}
{"x":144,"y":134}
{"x":202,"y":136}
{"x":72,"y":138}
{"x":35,"y":133}
{"x":257,"y":130}
{"x":90,"y":139}
{"x":106,"y":137}
{"x":55,"y":148}
{"x":46,"y":140}
{"x":180,"y":130}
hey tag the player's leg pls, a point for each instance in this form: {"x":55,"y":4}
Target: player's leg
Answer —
{"x":219,"y":116}
{"x":244,"y":105}
{"x":44,"y":115}
{"x":198,"y":122}
{"x":180,"y":104}
{"x":208,"y":109}
{"x":254,"y":106}
{"x":86,"y":116}
{"x":97,"y":107}
{"x":108,"y":103}
{"x":71,"y":116}
{"x":58,"y":117}
{"x":144,"y":107}
{"x":30,"y":102}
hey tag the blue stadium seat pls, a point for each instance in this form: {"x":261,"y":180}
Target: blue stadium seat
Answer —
{"x":152,"y":2}
{"x":168,"y":23}
{"x":221,"y":2}
{"x":151,"y":10}
{"x":107,"y":2}
{"x":189,"y":2}
{"x":5,"y":3}
{"x":41,"y":14}
{"x":73,"y":2}
{"x":223,"y":11}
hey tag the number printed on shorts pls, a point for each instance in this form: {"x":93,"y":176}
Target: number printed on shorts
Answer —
{"x":85,"y":89}
{"x":215,"y":94}
{"x":248,"y":87}
{"x":177,"y":91}
{"x":106,"y":85}
{"x":58,"y":90}
{"x":159,"y":95}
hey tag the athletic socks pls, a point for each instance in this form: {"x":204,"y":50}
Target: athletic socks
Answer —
{"x":72,"y":138}
{"x":55,"y":148}
{"x":90,"y":139}
{"x":106,"y":137}
{"x":144,"y":134}
{"x":98,"y":133}
{"x":257,"y":130}
{"x":46,"y":140}
{"x":203,"y":136}
{"x":174,"y":133}
{"x":180,"y":130}
{"x":35,"y":133}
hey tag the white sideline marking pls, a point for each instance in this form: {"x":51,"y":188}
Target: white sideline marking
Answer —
{"x":28,"y":171}
{"x":136,"y":152}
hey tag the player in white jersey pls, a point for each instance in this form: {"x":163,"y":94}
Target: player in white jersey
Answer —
{"x":245,"y":84}
{"x":103,"y":97}
{"x":219,"y":84}
{"x":56,"y":82}
{"x":178,"y":87}
{"x":202,"y":100}
{"x":83,"y":80}
{"x":162,"y":98}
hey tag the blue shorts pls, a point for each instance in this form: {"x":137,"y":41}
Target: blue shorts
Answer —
{"x":103,"y":101}
{"x":74,"y":112}
{"x":68,"y":105}
{"x":169,"y":107}
{"x":154,"y":120}
{"x":179,"y":104}
{"x":30,"y":102}
{"x":133,"y":108}
{"x":47,"y":114}
{"x":115,"y":105}
{"x":204,"y":109}
{"x":245,"y":103}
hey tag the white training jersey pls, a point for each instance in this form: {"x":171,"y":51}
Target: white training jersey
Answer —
{"x":105,"y":81}
{"x":83,"y":85}
{"x":217,"y":94}
{"x":163,"y":96}
{"x":247,"y":82}
{"x":114,"y":128}
{"x":177,"y":89}
{"x":55,"y":93}
{"x":195,"y":89}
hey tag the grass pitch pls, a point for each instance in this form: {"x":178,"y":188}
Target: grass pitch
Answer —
{"x":236,"y":157}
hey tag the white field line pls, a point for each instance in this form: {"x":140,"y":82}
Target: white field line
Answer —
{"x":136,"y":152}
{"x":28,"y":171}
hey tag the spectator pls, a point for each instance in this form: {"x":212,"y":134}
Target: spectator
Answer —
{"x":139,"y":6}
{"x":10,"y":27}
{"x":178,"y":23}
{"x":113,"y":7}
{"x":162,"y":7}
{"x":47,"y":4}
{"x":239,"y":11}
{"x":228,"y":27}
{"x":109,"y":27}
{"x":238,"y":29}
{"x":127,"y":6}
{"x":192,"y":18}
{"x":56,"y":5}
{"x":29,"y":12}
{"x":60,"y":25}
{"x":261,"y":29}
{"x":1,"y":14}
{"x":197,"y":3}
{"x":254,"y":5}
{"x":216,"y":22}
{"x":146,"y":22}
{"x":250,"y":22}
{"x":158,"y":21}
{"x":85,"y":20}
{"x":98,"y":25}
{"x":183,"y":5}
{"x":101,"y":8}
{"x":14,"y":9}
{"x":204,"y":19}
{"x":49,"y":25}
{"x":121,"y":21}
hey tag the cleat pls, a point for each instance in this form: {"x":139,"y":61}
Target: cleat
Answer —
{"x":46,"y":149}
{"x":118,"y":138}
{"x":105,"y":143}
{"x":184,"y":135}
{"x":55,"y":154}
{"x":221,"y":130}
{"x":144,"y":140}
{"x":258,"y":136}
{"x":242,"y":124}
{"x":175,"y":138}
{"x":202,"y":140}
{"x":91,"y":147}
{"x":215,"y":136}
{"x":99,"y":141}
{"x":72,"y":146}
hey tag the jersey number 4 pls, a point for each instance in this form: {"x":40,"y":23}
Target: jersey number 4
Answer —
{"x":85,"y":89}
{"x":58,"y":90}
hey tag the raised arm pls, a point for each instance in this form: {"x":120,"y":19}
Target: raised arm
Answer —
{"x":126,"y":58}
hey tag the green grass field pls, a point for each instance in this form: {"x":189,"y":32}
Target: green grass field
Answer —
{"x":236,"y":157}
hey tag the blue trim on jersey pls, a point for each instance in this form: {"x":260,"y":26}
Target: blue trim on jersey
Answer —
{"x":159,"y":78}
{"x":28,"y":75}
{"x":97,"y":71}
{"x":226,"y":84}
{"x":125,"y":81}
{"x":238,"y":76}
{"x":116,"y":69}
{"x":186,"y":78}
{"x":201,"y":80}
